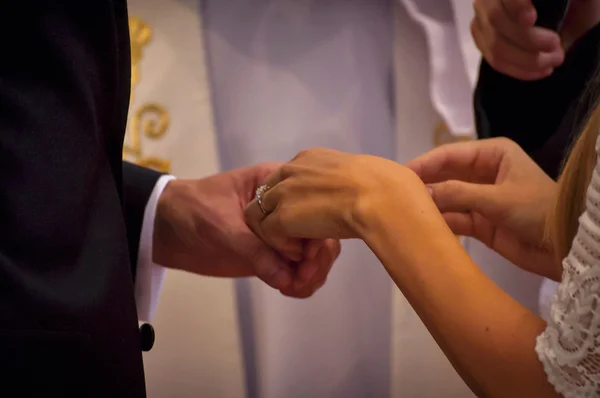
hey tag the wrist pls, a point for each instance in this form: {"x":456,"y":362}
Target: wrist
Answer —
{"x":401,"y":195}
{"x":407,"y":222}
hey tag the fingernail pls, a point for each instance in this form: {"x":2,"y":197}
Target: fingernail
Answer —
{"x":430,"y":190}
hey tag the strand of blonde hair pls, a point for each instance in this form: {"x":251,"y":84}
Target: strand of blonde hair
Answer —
{"x":563,"y":220}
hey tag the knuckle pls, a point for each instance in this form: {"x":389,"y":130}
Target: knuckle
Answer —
{"x":317,"y":151}
{"x":320,"y":150}
{"x":287,"y":170}
{"x":268,"y":167}
{"x":302,"y":154}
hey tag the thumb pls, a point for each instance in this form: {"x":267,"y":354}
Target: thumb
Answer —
{"x":464,"y":197}
{"x":268,"y":266}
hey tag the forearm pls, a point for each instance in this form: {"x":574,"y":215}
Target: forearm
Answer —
{"x":487,"y":335}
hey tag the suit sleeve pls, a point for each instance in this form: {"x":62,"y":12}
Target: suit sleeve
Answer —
{"x":541,"y":116}
{"x":138,"y":184}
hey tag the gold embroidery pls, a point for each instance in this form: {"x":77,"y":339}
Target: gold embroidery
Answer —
{"x":140,"y":35}
{"x":150,"y":120}
{"x":442,"y":135}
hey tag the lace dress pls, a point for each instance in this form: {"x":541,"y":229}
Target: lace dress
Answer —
{"x":569,"y":348}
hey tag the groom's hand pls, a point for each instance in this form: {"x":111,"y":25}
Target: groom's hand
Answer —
{"x":200,"y":228}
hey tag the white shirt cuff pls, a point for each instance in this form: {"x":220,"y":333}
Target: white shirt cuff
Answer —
{"x":149,"y":276}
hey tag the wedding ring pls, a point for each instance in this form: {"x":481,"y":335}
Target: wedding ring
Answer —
{"x":259,"y":193}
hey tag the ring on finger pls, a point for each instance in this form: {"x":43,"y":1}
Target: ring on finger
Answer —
{"x":260,"y":191}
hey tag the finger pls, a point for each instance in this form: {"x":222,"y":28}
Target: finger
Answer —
{"x":497,"y":22}
{"x":292,"y":248}
{"x":302,"y":294}
{"x":501,"y":50}
{"x":275,"y":178}
{"x":259,"y":174}
{"x":516,"y":72}
{"x":312,"y":248}
{"x":464,"y":197}
{"x":259,"y":210}
{"x":278,"y":218}
{"x":521,"y":11}
{"x":499,"y":64}
{"x":317,"y":267}
{"x":269,"y":266}
{"x":311,"y":275}
{"x":460,"y":223}
{"x":473,"y":161}
{"x":471,"y":224}
{"x":512,"y":60}
{"x":309,"y":266}
{"x":265,"y":170}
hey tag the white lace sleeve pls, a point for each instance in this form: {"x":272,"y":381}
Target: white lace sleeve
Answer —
{"x":569,"y":348}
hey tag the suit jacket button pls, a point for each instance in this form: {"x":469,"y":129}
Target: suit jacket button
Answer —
{"x":147,"y":336}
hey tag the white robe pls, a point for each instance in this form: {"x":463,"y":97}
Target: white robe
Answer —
{"x":260,"y":81}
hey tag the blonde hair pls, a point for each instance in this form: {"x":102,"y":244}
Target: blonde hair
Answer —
{"x":575,"y":177}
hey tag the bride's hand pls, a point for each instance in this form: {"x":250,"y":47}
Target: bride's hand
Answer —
{"x":322,"y":193}
{"x":493,"y":191}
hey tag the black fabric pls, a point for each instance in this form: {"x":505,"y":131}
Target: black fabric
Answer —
{"x":68,"y":325}
{"x":550,"y":13}
{"x":542,"y":116}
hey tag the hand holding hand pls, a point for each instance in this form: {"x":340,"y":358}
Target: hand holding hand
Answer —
{"x":492,"y":190}
{"x":200,"y":228}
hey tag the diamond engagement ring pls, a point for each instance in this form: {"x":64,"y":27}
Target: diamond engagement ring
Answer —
{"x":259,"y":193}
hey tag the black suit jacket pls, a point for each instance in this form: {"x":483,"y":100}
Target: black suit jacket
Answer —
{"x":70,"y":210}
{"x":542,"y":116}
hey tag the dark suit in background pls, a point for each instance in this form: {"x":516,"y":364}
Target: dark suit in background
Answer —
{"x":70,"y":212}
{"x":542,"y":116}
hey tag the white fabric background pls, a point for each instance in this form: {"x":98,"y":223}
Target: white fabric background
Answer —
{"x":286,"y":76}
